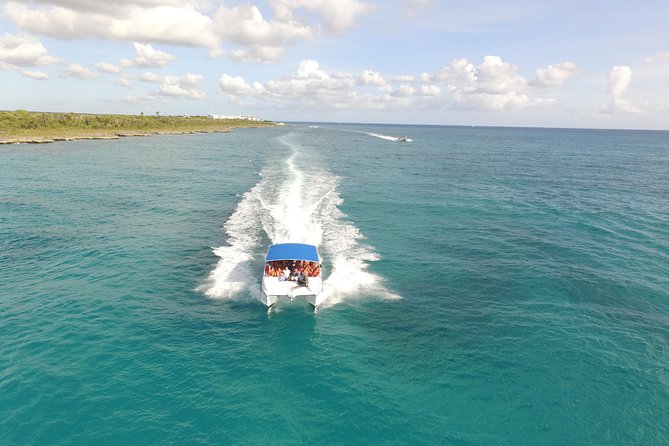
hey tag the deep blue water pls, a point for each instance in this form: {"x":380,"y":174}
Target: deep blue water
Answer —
{"x":485,"y":286}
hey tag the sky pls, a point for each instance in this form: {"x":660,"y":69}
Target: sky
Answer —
{"x":550,"y":63}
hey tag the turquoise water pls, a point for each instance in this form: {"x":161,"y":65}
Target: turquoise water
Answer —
{"x":485,"y":286}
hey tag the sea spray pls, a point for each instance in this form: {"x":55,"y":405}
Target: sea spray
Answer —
{"x":233,"y":273}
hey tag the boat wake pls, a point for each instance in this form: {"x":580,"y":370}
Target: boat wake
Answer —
{"x":388,"y":137}
{"x":293,"y":203}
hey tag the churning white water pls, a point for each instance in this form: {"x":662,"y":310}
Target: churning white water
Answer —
{"x":294,"y":201}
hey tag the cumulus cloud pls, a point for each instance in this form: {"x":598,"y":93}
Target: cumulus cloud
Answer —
{"x":369,"y":77}
{"x":236,"y":85}
{"x":186,"y":86}
{"x":620,"y":78}
{"x":309,"y":69}
{"x":106,"y":67}
{"x":148,"y":76}
{"x":429,"y":90}
{"x":263,"y":54}
{"x":200,"y":23}
{"x":497,"y":85}
{"x":309,"y":86}
{"x":245,"y":25}
{"x":36,"y":74}
{"x":493,"y":85}
{"x":404,"y":78}
{"x":555,"y":75}
{"x":147,"y":57}
{"x":78,"y":71}
{"x":178,"y":24}
{"x":21,"y":51}
{"x":338,"y":16}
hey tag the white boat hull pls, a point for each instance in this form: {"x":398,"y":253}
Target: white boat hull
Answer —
{"x":273,"y":289}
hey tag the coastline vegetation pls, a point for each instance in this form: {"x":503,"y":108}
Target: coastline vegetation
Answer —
{"x":37,"y":127}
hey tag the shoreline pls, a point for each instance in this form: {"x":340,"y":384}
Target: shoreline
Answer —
{"x":46,"y":139}
{"x":23,"y":127}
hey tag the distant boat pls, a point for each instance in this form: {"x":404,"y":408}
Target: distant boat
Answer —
{"x":292,"y":270}
{"x":402,"y":139}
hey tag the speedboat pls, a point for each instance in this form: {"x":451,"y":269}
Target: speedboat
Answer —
{"x":402,"y":139}
{"x":292,"y":270}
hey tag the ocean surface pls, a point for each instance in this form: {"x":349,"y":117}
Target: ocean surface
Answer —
{"x":485,"y":286}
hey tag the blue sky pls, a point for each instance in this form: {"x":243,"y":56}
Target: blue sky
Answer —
{"x":600,"y":64}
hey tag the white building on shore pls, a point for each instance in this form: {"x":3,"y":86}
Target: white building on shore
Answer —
{"x":243,"y":117}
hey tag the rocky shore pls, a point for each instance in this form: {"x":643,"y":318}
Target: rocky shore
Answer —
{"x":115,"y":135}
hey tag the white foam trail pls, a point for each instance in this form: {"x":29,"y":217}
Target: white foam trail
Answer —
{"x":294,"y":202}
{"x":233,"y":273}
{"x":376,"y":135}
{"x":386,"y":137}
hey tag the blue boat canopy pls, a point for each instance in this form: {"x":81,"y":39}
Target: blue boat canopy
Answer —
{"x":292,"y":251}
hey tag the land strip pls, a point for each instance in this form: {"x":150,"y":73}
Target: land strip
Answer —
{"x":38,"y":127}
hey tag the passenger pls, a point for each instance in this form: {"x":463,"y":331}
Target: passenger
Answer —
{"x":285,"y":274}
{"x":302,"y":279}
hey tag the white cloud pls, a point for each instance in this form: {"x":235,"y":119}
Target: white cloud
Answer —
{"x":148,"y":57}
{"x":24,"y":51}
{"x":404,"y":91}
{"x":497,"y":77}
{"x":338,"y":16}
{"x":186,"y":86}
{"x":76,"y":70}
{"x":404,"y":78}
{"x":235,"y":85}
{"x":458,"y":72}
{"x":178,"y":90}
{"x":140,"y":98}
{"x":125,"y":83}
{"x":311,"y":86}
{"x":201,"y":23}
{"x":245,"y":25}
{"x":493,"y":85}
{"x":555,"y":75}
{"x":369,"y":77}
{"x":263,"y":54}
{"x":36,"y":74}
{"x":619,"y":79}
{"x":106,"y":67}
{"x":619,"y":105}
{"x":178,"y":24}
{"x":658,"y":58}
{"x":151,"y":77}
{"x":429,"y":90}
{"x":310,"y":69}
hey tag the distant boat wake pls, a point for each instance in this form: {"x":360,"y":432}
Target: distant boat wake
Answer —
{"x":375,"y":135}
{"x":291,"y":204}
{"x":388,"y":137}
